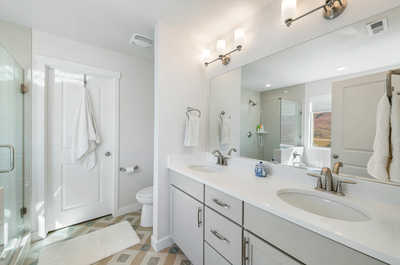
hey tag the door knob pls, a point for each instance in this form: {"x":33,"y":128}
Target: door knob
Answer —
{"x":107,"y":154}
{"x":335,"y":156}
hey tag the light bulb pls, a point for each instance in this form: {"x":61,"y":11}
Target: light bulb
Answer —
{"x":221,"y":45}
{"x":205,"y":54}
{"x":288,"y":9}
{"x":239,"y":36}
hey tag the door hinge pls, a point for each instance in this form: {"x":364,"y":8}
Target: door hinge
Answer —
{"x":23,"y":211}
{"x":24,"y":89}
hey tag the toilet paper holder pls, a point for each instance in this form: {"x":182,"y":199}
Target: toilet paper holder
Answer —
{"x":129,"y":169}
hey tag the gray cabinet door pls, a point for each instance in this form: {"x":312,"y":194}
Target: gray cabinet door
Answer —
{"x":259,"y":252}
{"x":187,"y":225}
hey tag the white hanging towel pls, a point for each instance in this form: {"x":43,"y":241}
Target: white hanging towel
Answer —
{"x":379,"y":161}
{"x":394,"y":170}
{"x":85,"y":136}
{"x":192,"y":130}
{"x":225,"y":132}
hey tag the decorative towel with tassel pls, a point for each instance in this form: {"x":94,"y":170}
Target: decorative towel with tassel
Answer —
{"x":379,"y":162}
{"x":86,"y":136}
{"x":192,"y":130}
{"x":394,"y":170}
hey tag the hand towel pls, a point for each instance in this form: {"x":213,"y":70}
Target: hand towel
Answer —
{"x":379,"y":161}
{"x":86,"y":136}
{"x":225,"y":134}
{"x":394,"y":170}
{"x":192,"y":130}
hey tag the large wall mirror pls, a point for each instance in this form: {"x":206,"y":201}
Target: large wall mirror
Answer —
{"x":316,"y":104}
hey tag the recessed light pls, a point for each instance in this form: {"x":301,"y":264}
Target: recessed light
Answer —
{"x":268,"y":85}
{"x":342,"y":68}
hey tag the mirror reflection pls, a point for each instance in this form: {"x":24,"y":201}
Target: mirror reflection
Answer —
{"x":332,"y":100}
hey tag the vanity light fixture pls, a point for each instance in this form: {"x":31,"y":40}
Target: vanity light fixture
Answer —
{"x":225,"y":58}
{"x":331,"y":10}
{"x":341,"y":68}
{"x":268,"y":85}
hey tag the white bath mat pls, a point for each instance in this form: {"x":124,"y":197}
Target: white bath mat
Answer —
{"x":90,"y":248}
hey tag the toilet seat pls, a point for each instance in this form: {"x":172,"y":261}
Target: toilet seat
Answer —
{"x":145,"y":195}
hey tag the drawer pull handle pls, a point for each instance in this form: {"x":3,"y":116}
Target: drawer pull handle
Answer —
{"x":199,"y":218}
{"x":222,"y":204}
{"x":219,"y":236}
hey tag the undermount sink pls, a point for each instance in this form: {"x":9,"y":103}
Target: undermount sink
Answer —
{"x":319,"y":204}
{"x":205,"y":168}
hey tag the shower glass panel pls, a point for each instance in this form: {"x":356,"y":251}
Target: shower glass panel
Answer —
{"x":11,"y":155}
{"x":291,"y":123}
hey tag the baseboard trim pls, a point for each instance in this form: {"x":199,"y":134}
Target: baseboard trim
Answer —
{"x":161,"y":244}
{"x":134,"y":207}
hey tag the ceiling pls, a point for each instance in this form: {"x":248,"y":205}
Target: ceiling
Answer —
{"x":346,"y":51}
{"x":110,"y":24}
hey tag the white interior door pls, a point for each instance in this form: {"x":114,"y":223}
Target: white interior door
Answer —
{"x":354,"y":104}
{"x":75,"y":193}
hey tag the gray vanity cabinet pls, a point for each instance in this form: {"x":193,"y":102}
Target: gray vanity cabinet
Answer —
{"x":306,"y":246}
{"x":187,"y":224}
{"x":258,"y":252}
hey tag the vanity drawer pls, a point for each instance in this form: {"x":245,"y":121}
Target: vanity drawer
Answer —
{"x":224,"y":236}
{"x":211,"y":257}
{"x":302,"y":244}
{"x":186,"y":184}
{"x":224,"y":204}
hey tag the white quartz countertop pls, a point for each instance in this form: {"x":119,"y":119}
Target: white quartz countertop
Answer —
{"x":378,"y":237}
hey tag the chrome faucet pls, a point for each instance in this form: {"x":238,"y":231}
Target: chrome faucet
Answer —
{"x":327,"y":173}
{"x":231,"y":150}
{"x":221,"y":159}
{"x":328,"y":181}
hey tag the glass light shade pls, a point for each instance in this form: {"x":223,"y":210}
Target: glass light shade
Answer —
{"x":205,"y":54}
{"x":221,"y":45}
{"x":288,"y":9}
{"x":239,"y":36}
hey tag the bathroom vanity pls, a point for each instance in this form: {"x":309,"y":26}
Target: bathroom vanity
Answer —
{"x":225,"y":215}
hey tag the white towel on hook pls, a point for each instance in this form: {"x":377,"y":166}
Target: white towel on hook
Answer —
{"x":394,"y":170}
{"x":225,"y":132}
{"x":192,"y":129}
{"x":379,"y":161}
{"x":85,"y":136}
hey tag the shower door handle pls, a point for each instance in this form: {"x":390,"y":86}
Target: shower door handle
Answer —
{"x":12,"y":158}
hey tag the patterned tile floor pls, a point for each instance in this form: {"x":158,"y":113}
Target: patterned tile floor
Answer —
{"x":140,"y":254}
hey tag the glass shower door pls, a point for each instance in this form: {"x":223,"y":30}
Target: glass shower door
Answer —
{"x":11,"y":155}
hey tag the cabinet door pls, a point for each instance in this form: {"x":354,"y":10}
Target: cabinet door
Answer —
{"x":258,"y":252}
{"x":187,"y":225}
{"x":211,"y":257}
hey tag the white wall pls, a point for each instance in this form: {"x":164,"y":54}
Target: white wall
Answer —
{"x":136,"y":109}
{"x":225,"y":94}
{"x":17,"y":40}
{"x":180,"y":82}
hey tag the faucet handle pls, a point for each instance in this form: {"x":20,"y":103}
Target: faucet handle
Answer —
{"x":319,"y":180}
{"x":339,"y":188}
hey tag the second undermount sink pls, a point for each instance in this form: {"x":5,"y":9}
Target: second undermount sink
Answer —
{"x":205,"y":168}
{"x":319,"y":204}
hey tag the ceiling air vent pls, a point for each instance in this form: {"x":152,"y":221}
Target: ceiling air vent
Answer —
{"x":377,"y":27}
{"x":141,"y":41}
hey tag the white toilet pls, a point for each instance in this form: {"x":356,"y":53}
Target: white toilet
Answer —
{"x":145,"y":197}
